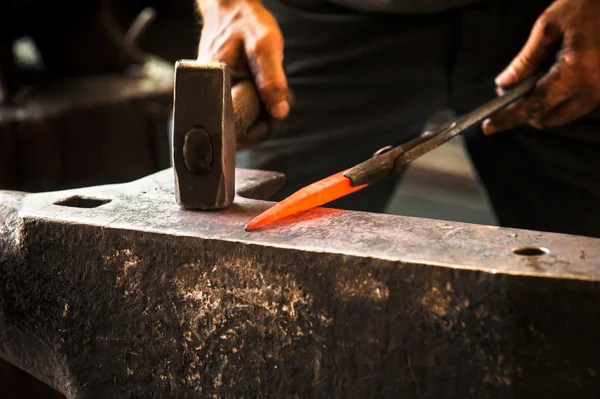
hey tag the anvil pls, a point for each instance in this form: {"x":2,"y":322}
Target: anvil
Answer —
{"x":116,"y":292}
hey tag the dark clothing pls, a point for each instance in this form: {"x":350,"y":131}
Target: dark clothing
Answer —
{"x":403,"y":6}
{"x":381,"y":6}
{"x":363,"y":81}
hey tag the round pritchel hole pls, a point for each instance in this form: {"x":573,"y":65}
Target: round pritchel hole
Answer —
{"x":531,"y":251}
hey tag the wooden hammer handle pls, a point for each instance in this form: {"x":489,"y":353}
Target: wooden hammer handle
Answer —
{"x":246,"y":107}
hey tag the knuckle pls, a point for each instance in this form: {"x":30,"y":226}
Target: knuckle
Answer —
{"x":542,"y":26}
{"x":580,"y":67}
{"x":258,"y":46}
{"x":568,"y":58}
{"x":546,"y":27}
{"x":536,"y":111}
{"x":541,"y":23}
{"x":276,"y":90}
{"x":263,"y":44}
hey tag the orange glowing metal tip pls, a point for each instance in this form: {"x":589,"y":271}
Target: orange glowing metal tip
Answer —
{"x":311,"y":196}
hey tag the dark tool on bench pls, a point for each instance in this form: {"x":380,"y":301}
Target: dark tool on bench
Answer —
{"x":386,"y":162}
{"x":209,"y":116}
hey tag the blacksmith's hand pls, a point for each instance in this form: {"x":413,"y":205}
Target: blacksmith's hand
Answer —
{"x":246,"y":37}
{"x":570,"y":31}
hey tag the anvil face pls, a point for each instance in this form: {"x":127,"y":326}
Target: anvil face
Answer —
{"x":116,"y":291}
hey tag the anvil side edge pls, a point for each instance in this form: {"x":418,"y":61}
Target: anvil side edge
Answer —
{"x":116,"y":291}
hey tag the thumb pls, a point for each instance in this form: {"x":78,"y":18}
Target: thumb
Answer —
{"x":265,"y":59}
{"x":539,"y":48}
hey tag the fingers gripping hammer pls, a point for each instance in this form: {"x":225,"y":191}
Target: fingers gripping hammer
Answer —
{"x":208,"y":117}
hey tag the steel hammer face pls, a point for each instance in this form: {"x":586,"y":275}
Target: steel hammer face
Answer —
{"x":204,"y":136}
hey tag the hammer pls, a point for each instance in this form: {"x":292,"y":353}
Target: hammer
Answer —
{"x":209,"y":116}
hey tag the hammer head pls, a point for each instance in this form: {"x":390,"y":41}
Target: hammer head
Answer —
{"x":204,"y":137}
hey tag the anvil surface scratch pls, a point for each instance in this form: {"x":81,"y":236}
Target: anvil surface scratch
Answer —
{"x":125,"y":294}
